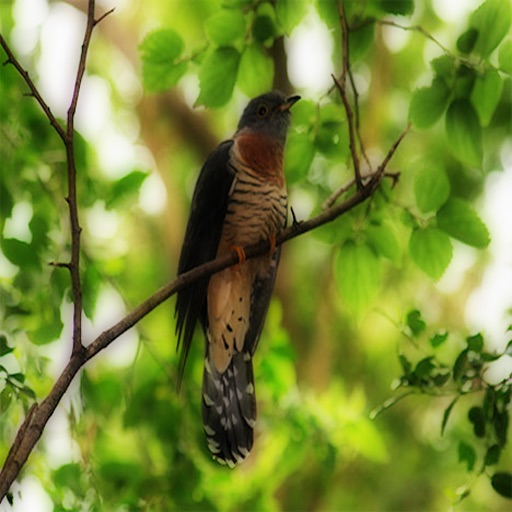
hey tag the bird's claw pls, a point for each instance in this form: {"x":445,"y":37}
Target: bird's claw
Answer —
{"x":239,"y":251}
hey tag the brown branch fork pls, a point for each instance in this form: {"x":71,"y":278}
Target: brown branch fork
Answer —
{"x":37,"y":417}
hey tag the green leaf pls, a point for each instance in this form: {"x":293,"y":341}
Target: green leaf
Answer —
{"x":467,"y":40}
{"x":431,"y":188}
{"x":459,"y":220}
{"x":447,"y":412}
{"x":305,"y":114}
{"x":4,"y":346}
{"x":505,"y":56}
{"x":6,"y":202}
{"x":28,"y":392}
{"x":475,"y":343}
{"x":20,"y":253}
{"x":49,"y":329}
{"x":69,"y":476}
{"x":328,"y":12}
{"x":489,"y":402}
{"x":415,"y":323}
{"x":405,"y":364}
{"x":39,"y":228}
{"x":290,"y":13}
{"x":444,"y":67}
{"x":225,"y":27}
{"x":332,"y":132}
{"x":428,"y":104}
{"x":486,"y":95}
{"x":384,"y":242}
{"x":492,"y":21}
{"x":256,"y":71}
{"x":438,"y":339}
{"x":217,"y":77}
{"x":477,"y":418}
{"x":264,"y":28}
{"x":402,"y":7}
{"x":463,"y":132}
{"x":492,"y":456}
{"x":440,"y":378}
{"x":502,"y":483}
{"x":459,"y":366}
{"x":299,"y":153}
{"x":161,"y":67}
{"x":489,"y":358}
{"x":124,"y":188}
{"x":5,"y":398}
{"x":360,"y":41}
{"x":500,"y":424}
{"x":357,"y":275}
{"x":467,"y":454}
{"x":431,"y":250}
{"x":424,"y":368}
{"x":18,"y":377}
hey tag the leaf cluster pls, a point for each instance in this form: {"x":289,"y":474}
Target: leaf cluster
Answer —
{"x":489,"y":417}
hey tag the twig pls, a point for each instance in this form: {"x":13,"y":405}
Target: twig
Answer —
{"x":11,"y":59}
{"x":338,"y":193}
{"x":341,"y":86}
{"x":415,"y":28}
{"x":76,"y":230}
{"x":357,"y":117}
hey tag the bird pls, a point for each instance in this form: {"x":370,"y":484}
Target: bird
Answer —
{"x":240,"y":198}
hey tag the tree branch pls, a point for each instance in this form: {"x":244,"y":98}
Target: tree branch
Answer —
{"x":11,"y":59}
{"x":69,"y":142}
{"x":341,"y":86}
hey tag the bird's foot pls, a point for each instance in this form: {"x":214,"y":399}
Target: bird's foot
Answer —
{"x":239,"y":251}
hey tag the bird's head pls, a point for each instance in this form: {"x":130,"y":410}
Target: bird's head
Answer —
{"x":268,"y":114}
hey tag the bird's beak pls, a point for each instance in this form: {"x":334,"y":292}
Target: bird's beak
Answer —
{"x":288,"y":104}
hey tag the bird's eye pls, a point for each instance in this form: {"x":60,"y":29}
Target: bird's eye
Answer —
{"x":262,"y":110}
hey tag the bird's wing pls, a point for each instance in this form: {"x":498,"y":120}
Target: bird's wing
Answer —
{"x":261,"y":293}
{"x":202,"y":236}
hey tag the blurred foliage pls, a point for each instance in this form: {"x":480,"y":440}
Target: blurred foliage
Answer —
{"x":356,"y":306}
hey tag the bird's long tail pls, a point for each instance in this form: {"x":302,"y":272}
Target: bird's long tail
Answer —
{"x":229,"y":408}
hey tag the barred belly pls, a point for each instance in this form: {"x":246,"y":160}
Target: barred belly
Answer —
{"x":256,"y":210}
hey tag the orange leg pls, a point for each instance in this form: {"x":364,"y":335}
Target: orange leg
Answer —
{"x":239,"y":251}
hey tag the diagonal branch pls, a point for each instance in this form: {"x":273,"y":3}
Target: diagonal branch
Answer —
{"x":11,"y":59}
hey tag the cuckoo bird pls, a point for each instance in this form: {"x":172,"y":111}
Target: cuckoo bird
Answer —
{"x":240,"y":199}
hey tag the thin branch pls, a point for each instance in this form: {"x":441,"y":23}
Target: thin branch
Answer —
{"x":357,"y":117}
{"x":415,"y":28}
{"x":338,"y":193}
{"x":11,"y":59}
{"x":341,"y":86}
{"x":76,"y":230}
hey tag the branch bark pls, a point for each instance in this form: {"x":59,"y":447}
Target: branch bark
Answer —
{"x":36,"y":419}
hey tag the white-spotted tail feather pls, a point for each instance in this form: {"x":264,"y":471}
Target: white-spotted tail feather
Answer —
{"x":229,"y":408}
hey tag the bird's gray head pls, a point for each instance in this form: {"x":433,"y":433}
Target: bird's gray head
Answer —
{"x":268,"y":114}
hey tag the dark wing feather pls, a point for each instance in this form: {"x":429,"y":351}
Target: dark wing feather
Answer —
{"x":261,"y":294}
{"x":202,"y":236}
